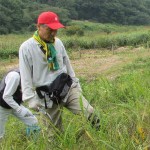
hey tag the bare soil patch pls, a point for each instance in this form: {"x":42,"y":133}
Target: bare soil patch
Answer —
{"x":96,"y":62}
{"x":92,"y":63}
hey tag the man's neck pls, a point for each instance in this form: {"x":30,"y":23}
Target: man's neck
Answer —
{"x":49,"y":41}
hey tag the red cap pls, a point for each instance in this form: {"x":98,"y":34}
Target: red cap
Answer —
{"x":50,"y":19}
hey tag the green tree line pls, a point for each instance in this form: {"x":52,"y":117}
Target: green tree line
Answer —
{"x":20,"y":15}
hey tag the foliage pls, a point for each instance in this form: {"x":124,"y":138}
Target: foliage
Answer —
{"x":11,"y":15}
{"x":122,"y":104}
{"x":74,"y":30}
{"x":84,"y":35}
{"x":18,"y":15}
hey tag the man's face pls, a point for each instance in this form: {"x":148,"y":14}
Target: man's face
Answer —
{"x":46,"y":33}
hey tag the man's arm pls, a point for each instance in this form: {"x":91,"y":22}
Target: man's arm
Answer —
{"x":70,"y":70}
{"x":25,"y":66}
{"x":66,"y":61}
{"x":12,"y":81}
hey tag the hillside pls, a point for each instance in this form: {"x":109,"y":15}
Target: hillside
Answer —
{"x":19,"y":16}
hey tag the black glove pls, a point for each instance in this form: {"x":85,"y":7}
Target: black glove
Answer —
{"x":95,"y":121}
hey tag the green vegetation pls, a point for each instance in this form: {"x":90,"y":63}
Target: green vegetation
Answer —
{"x":120,"y":94}
{"x":9,"y":44}
{"x":77,"y":35}
{"x":122,"y":104}
{"x":20,"y":15}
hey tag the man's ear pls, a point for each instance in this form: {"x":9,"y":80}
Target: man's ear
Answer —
{"x":38,"y":26}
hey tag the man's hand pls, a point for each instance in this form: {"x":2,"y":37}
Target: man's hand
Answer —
{"x":34,"y":104}
{"x":76,"y":83}
{"x":24,"y":112}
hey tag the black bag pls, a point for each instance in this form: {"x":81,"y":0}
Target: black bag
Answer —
{"x":57,"y":90}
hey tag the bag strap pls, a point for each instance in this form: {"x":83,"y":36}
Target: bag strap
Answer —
{"x":41,"y":96}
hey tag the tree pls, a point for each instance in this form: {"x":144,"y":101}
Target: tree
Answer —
{"x":11,"y":15}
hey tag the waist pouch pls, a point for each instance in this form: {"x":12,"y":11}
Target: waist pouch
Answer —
{"x":57,"y":90}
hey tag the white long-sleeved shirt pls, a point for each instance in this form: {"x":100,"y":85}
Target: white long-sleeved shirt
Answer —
{"x":34,"y":68}
{"x":12,"y":81}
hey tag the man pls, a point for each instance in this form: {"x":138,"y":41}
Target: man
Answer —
{"x":42,"y":58}
{"x":10,"y":102}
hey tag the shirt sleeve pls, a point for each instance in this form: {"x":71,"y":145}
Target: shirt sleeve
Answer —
{"x":70,"y":70}
{"x":67,"y":62}
{"x":25,"y":66}
{"x":12,"y":81}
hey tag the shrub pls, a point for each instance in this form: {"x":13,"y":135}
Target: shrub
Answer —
{"x":3,"y":30}
{"x":74,"y":30}
{"x":32,"y":27}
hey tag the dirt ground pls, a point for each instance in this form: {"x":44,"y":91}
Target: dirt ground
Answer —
{"x":92,"y":63}
{"x":95,"y":62}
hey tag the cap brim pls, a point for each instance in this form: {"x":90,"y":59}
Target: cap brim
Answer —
{"x":55,"y":26}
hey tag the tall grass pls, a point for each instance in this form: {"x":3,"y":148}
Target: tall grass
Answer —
{"x":99,"y":40}
{"x":124,"y":107}
{"x":9,"y":44}
{"x":122,"y":104}
{"x":93,"y":35}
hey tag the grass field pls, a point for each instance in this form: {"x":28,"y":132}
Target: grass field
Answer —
{"x":115,"y":82}
{"x":84,"y":35}
{"x":118,"y":86}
